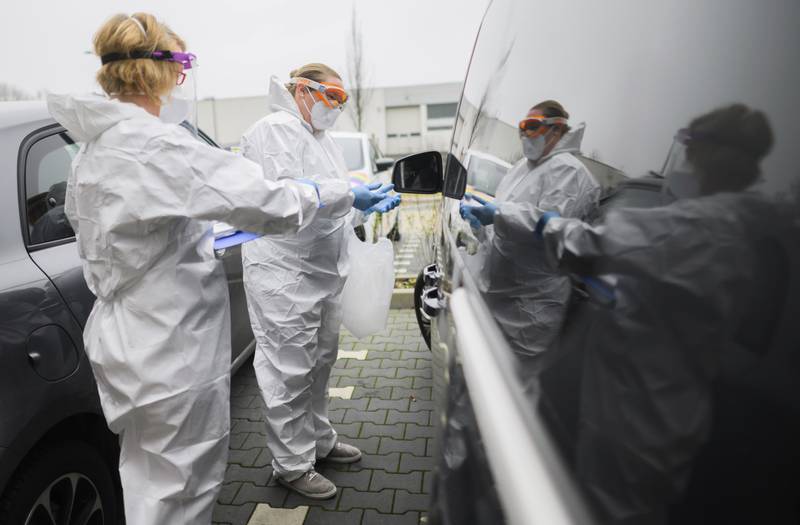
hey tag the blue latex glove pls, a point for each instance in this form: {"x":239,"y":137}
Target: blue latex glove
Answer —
{"x":387,"y":204}
{"x":481,"y":214}
{"x":370,"y":195}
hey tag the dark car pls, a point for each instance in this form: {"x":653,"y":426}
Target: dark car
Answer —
{"x":508,"y":446}
{"x":57,"y":457}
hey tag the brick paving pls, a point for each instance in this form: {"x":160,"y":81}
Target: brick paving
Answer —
{"x":388,"y":416}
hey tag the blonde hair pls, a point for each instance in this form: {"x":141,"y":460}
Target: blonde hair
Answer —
{"x":314,"y":71}
{"x":140,"y":32}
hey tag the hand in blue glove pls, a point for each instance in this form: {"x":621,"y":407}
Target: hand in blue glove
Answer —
{"x":370,"y":195}
{"x":481,"y":214}
{"x":387,"y":204}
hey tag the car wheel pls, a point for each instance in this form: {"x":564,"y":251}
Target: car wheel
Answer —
{"x":65,"y":483}
{"x":423,"y":322}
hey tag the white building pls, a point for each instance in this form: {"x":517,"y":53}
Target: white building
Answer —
{"x":401,"y":120}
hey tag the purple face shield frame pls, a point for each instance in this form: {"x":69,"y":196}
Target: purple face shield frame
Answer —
{"x":184,"y":59}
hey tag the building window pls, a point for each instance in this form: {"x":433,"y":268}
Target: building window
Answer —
{"x":436,"y":111}
{"x":441,"y":116}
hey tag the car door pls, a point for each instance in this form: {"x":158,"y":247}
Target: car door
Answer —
{"x":45,"y":163}
{"x":242,"y":340}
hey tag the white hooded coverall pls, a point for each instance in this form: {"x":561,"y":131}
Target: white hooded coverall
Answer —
{"x":293,"y":285}
{"x":140,"y":198}
{"x":528,"y":298}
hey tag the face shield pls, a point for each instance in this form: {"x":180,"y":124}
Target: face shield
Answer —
{"x":179,"y":106}
{"x":679,"y":175}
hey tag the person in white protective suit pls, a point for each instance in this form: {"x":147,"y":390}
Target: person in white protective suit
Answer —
{"x":294,"y":283}
{"x":694,"y":304}
{"x":527,"y":298}
{"x":140,"y":198}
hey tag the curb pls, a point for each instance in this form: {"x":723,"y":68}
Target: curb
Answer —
{"x":402,"y":299}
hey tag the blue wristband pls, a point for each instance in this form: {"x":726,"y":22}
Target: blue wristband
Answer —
{"x":543,"y":220}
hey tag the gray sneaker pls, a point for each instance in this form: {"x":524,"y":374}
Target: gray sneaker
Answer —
{"x":342,"y":453}
{"x":312,"y":485}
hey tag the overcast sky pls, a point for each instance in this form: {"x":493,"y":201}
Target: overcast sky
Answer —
{"x":239,"y":44}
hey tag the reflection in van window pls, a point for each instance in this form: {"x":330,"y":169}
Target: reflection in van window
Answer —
{"x":485,"y":173}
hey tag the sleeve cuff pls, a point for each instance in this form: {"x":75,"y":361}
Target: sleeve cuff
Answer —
{"x":543,"y":220}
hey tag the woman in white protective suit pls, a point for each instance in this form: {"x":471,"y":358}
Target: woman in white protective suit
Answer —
{"x":140,"y":197}
{"x":528,"y":298}
{"x":294,"y":283}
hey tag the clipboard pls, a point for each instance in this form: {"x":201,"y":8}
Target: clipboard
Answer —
{"x":235,"y":238}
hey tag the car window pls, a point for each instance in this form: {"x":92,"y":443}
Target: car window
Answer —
{"x":630,"y":76}
{"x":484,"y":174}
{"x":47,"y":167}
{"x":353,"y":152}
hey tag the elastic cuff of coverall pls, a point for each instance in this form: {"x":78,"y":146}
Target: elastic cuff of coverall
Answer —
{"x":310,"y":182}
{"x":337,"y":196}
{"x":542,"y":223}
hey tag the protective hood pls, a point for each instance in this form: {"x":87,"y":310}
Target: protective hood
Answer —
{"x":281,"y":100}
{"x":88,"y":116}
{"x":569,"y":143}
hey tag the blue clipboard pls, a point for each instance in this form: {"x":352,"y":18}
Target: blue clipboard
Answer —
{"x":234,"y":239}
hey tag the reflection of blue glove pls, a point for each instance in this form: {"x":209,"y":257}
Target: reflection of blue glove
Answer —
{"x":387,"y":204}
{"x":370,"y":195}
{"x":478,"y":215}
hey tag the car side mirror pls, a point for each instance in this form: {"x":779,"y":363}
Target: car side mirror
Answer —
{"x":455,"y":181}
{"x":384,"y":163}
{"x":420,"y":173}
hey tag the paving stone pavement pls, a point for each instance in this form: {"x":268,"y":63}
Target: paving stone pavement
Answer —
{"x":387,"y":415}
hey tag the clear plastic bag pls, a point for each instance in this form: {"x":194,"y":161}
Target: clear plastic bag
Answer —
{"x":367,"y":293}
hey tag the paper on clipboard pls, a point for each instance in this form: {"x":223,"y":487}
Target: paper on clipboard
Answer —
{"x":226,"y":236}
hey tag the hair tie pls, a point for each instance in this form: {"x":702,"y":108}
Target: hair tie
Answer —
{"x":139,"y":25}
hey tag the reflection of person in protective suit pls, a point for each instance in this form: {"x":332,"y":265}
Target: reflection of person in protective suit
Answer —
{"x":528,"y":298}
{"x":693,"y":296}
{"x":294,"y":282}
{"x":53,"y":224}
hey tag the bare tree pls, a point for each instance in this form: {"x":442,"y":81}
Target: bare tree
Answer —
{"x":358,"y":75}
{"x":11,"y":92}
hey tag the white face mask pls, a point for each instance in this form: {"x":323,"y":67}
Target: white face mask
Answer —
{"x":323,"y":117}
{"x":533,"y":148}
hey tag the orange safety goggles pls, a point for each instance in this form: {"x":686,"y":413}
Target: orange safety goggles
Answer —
{"x":331,"y":95}
{"x":534,"y":126}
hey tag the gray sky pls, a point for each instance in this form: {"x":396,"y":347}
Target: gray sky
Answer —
{"x":239,"y":44}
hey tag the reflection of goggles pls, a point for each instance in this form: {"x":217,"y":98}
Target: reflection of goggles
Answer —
{"x":184,"y":59}
{"x":538,"y":125}
{"x":331,"y":95}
